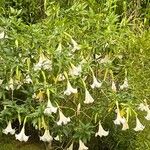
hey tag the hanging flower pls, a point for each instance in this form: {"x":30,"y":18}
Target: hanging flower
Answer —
{"x":75,"y":71}
{"x":62,"y":119}
{"x":60,"y":77}
{"x":125,"y":84}
{"x":95,"y":84}
{"x":119,"y":120}
{"x":101,"y":132}
{"x":75,"y":45}
{"x":21,"y":136}
{"x":70,"y":147}
{"x":28,"y":80}
{"x":113,"y":87}
{"x":2,"y":35}
{"x":1,"y":81}
{"x":148,"y":114}
{"x":57,"y":138}
{"x":46,"y":137}
{"x":82,"y":146}
{"x":139,"y":126}
{"x":69,"y":89}
{"x":142,"y":107}
{"x":59,"y":48}
{"x":88,"y":97}
{"x":9,"y":129}
{"x":105,"y":60}
{"x":44,"y":63}
{"x":78,"y":109}
{"x":125,"y":125}
{"x":10,"y":85}
{"x":50,"y":108}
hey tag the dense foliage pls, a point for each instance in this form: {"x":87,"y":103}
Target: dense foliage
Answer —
{"x":53,"y":51}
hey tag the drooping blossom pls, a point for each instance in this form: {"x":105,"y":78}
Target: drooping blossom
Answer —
{"x":28,"y":80}
{"x":21,"y":136}
{"x":139,"y":126}
{"x":125,"y":84}
{"x":70,"y":147}
{"x":2,"y":35}
{"x":60,"y":77}
{"x":113,"y":86}
{"x":50,"y":108}
{"x":142,"y":107}
{"x":101,"y":132}
{"x":119,"y":120}
{"x":62,"y":119}
{"x":82,"y":146}
{"x":46,"y":136}
{"x":88,"y":98}
{"x":105,"y":60}
{"x":44,"y":63}
{"x":59,"y":48}
{"x":96,"y":83}
{"x":75,"y":45}
{"x":10,"y":85}
{"x":148,"y":114}
{"x":57,"y":138}
{"x":69,"y":89}
{"x":9,"y":129}
{"x":75,"y":71}
{"x":125,"y":125}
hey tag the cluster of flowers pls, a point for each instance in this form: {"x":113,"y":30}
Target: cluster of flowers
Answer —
{"x":46,"y":64}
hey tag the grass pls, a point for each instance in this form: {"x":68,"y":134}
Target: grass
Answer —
{"x":9,"y":143}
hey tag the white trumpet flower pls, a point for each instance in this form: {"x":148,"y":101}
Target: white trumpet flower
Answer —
{"x":21,"y":136}
{"x":44,"y":63}
{"x":59,"y":48}
{"x":96,"y":83}
{"x":9,"y":129}
{"x":101,"y":132}
{"x":2,"y":35}
{"x":88,"y":98}
{"x":57,"y":138}
{"x":28,"y":80}
{"x":125,"y":125}
{"x":10,"y":85}
{"x":105,"y":60}
{"x":139,"y":126}
{"x":70,"y":147}
{"x":60,"y":77}
{"x":50,"y":108}
{"x":62,"y":119}
{"x":142,"y":107}
{"x":125,"y":84}
{"x":69,"y":89}
{"x":148,"y":114}
{"x":46,"y":136}
{"x":113,"y":87}
{"x":75,"y":71}
{"x":75,"y":45}
{"x":82,"y":146}
{"x":119,"y":120}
